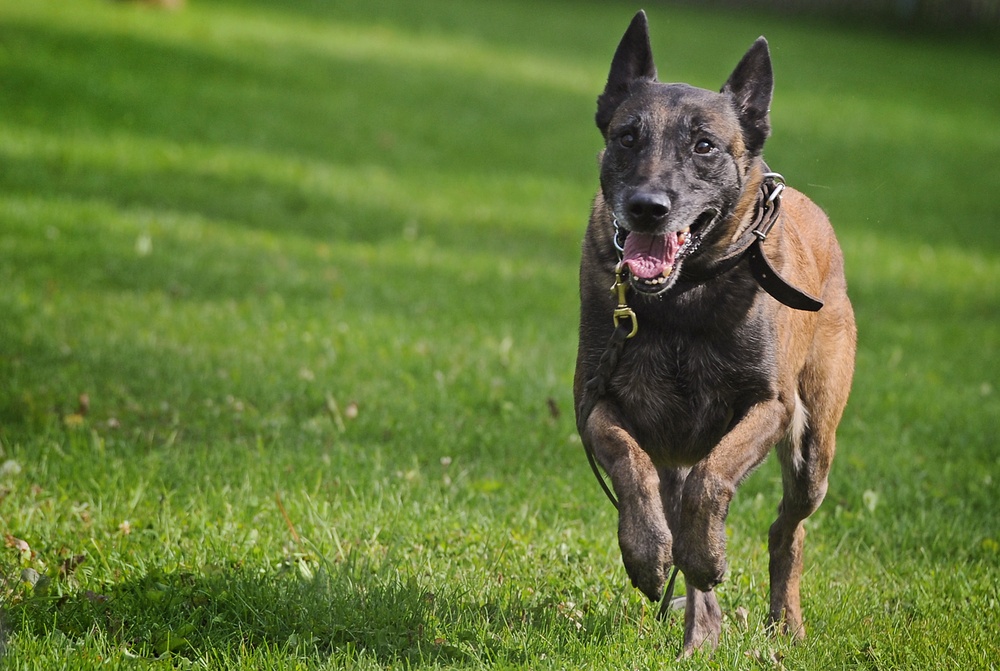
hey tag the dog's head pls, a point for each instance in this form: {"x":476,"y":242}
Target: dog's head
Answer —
{"x":677,"y":158}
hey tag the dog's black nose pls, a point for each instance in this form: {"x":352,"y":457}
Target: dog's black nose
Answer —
{"x":647,"y":209}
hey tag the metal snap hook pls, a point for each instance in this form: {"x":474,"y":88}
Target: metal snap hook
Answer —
{"x":623,"y":310}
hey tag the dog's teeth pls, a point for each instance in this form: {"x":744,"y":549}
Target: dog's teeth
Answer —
{"x":656,"y":281}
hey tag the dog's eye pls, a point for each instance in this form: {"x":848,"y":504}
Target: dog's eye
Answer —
{"x":703,"y":147}
{"x":627,"y":140}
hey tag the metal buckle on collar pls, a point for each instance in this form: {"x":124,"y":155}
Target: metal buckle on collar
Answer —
{"x":776,"y":177}
{"x":771,"y":203}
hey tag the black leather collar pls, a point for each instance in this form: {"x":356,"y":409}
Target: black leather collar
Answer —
{"x":766,"y":214}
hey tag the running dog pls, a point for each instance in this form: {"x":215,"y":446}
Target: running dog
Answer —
{"x":720,"y":271}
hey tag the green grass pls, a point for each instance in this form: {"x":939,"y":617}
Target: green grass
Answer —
{"x":314,"y":270}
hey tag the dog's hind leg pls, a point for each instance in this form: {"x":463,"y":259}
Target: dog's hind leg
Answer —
{"x":806,"y":455}
{"x":787,"y":535}
{"x":702,"y":615}
{"x":702,"y":621}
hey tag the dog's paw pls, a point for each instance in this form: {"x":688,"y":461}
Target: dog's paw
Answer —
{"x":646,"y":552}
{"x":700,"y":544}
{"x":701,"y":560}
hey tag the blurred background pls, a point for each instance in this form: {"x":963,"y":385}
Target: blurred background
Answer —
{"x":960,"y":15}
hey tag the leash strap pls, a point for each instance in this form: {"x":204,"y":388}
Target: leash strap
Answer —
{"x":668,"y":596}
{"x":596,"y":388}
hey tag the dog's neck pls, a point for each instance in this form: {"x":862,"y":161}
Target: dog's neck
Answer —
{"x":747,"y":205}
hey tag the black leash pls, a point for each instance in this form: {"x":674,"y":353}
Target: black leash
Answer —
{"x":596,"y":388}
{"x":668,"y":596}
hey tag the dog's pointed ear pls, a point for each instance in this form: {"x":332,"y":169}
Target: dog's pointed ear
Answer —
{"x":633,"y":61}
{"x":751,"y":86}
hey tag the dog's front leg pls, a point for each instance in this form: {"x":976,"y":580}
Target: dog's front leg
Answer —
{"x":643,"y":534}
{"x":702,"y":615}
{"x":700,"y":549}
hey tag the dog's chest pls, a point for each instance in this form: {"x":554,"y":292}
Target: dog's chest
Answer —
{"x":680,"y":393}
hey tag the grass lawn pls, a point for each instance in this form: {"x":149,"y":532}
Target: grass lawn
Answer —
{"x":288,"y":321}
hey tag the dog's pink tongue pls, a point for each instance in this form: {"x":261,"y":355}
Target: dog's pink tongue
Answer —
{"x":650,"y":256}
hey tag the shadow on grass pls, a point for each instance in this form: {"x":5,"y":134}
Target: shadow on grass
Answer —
{"x":346,"y":610}
{"x":186,"y":615}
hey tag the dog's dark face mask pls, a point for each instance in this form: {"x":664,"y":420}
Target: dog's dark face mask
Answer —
{"x":676,"y":157}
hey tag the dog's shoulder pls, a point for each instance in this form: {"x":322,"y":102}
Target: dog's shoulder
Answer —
{"x":806,"y":250}
{"x":805,"y":213}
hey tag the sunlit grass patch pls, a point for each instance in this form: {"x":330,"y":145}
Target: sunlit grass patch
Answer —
{"x":289,"y":317}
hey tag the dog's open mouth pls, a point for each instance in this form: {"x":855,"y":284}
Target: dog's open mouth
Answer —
{"x":651,"y":260}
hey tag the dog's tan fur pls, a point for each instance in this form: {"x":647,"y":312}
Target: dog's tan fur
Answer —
{"x":718,"y":374}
